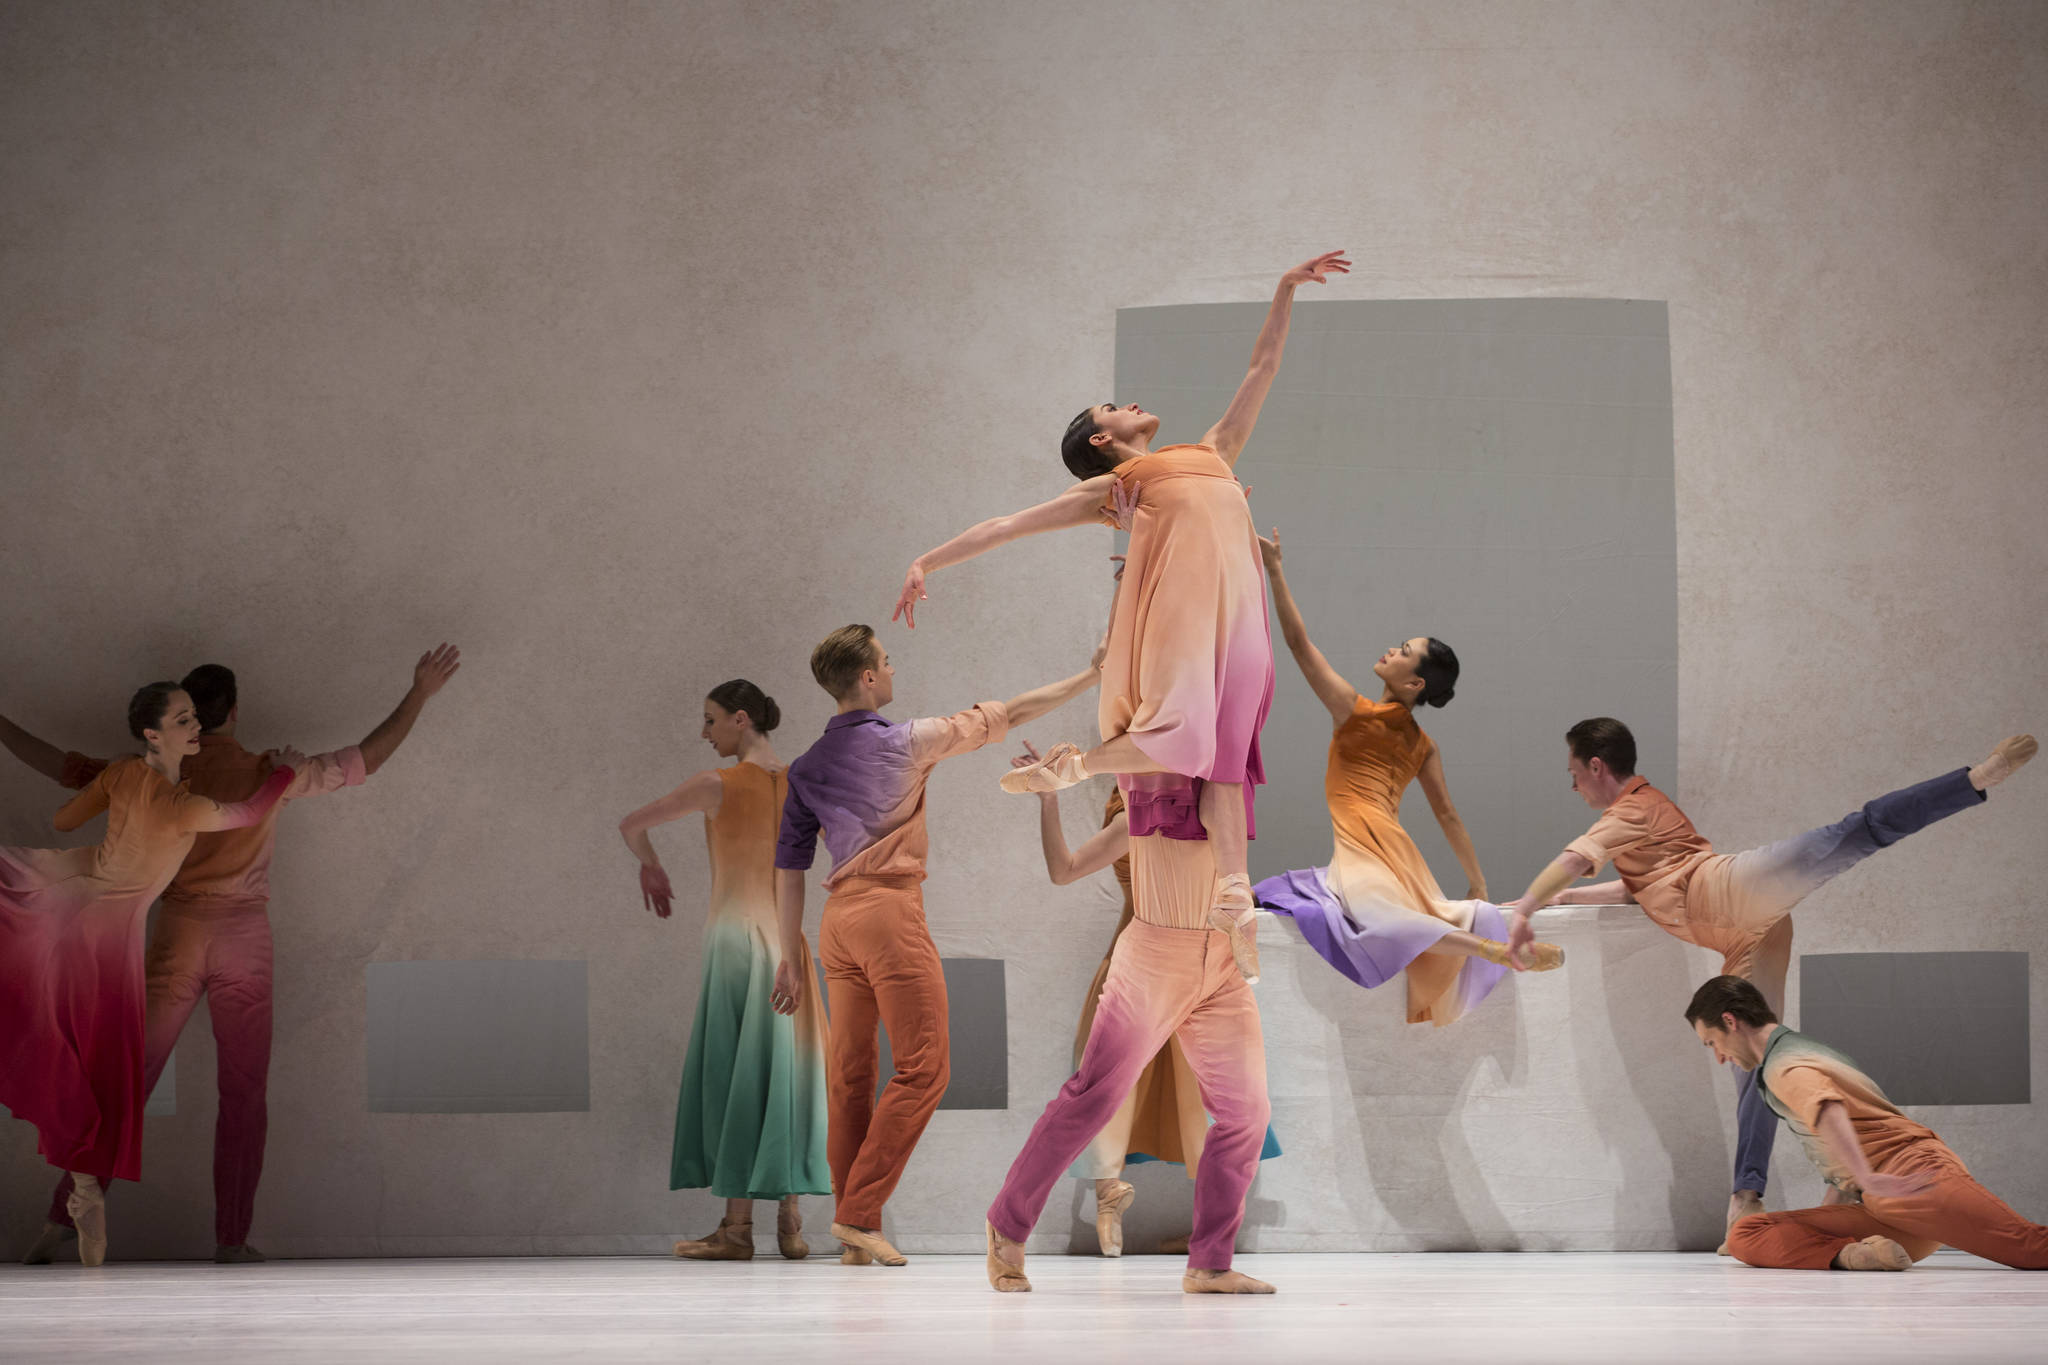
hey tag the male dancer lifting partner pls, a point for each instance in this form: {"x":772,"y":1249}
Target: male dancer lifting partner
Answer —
{"x":862,"y":786}
{"x":212,"y":934}
{"x":1738,"y":904}
{"x":1916,"y":1193}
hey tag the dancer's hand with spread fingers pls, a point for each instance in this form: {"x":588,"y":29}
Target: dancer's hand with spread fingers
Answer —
{"x":788,"y":992}
{"x":1317,"y":269}
{"x":912,"y":594}
{"x":655,"y":892}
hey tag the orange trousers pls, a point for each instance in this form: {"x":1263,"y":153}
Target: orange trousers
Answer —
{"x":881,"y":967}
{"x":1954,"y":1211}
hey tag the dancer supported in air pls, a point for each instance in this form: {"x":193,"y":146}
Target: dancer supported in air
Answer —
{"x":750,"y":1119}
{"x":1916,"y":1194}
{"x":1738,"y":904}
{"x":212,"y":934}
{"x":862,"y":787}
{"x":71,"y":931}
{"x":1376,"y":909}
{"x":1162,"y":1119}
{"x":1189,"y":674}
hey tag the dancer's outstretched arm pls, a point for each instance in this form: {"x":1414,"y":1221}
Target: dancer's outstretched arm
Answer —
{"x":429,"y":676}
{"x":44,"y":757}
{"x":703,"y":792}
{"x":1079,"y":506}
{"x":1229,"y":435}
{"x":1594,"y":893}
{"x":1566,"y":868}
{"x":1439,"y":794}
{"x":1337,"y":696}
{"x":1104,"y":847}
{"x":1026,"y":707}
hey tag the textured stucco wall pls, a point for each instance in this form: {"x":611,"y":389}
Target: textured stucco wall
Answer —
{"x":635,"y":346}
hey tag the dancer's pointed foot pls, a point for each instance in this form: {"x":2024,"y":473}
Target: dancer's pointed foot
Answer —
{"x":731,"y":1242}
{"x":241,"y":1255}
{"x":1873,"y":1253}
{"x":48,"y":1243}
{"x":1059,"y":769}
{"x":1741,"y":1205}
{"x":789,"y":1230}
{"x":1112,"y":1197}
{"x":853,"y":1256}
{"x":1232,"y":915}
{"x":1175,"y":1246}
{"x":1541,"y":957}
{"x":870,"y":1241}
{"x":1221,"y":1282}
{"x":88,"y":1209}
{"x":2004,"y":761}
{"x":1005,"y":1263}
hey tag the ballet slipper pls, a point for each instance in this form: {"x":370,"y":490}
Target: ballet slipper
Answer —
{"x":1873,"y":1253}
{"x":873,"y":1243}
{"x":1222,"y":1282}
{"x":1003,"y":1277}
{"x":1175,"y":1246}
{"x":1741,"y":1205}
{"x":2007,"y":759}
{"x":731,"y":1242}
{"x":88,"y":1209}
{"x":1109,"y":1215}
{"x":1232,"y":916}
{"x":853,"y":1256}
{"x":1059,"y":769}
{"x":48,"y":1243}
{"x":241,"y":1255}
{"x":789,"y":1231}
{"x":1542,"y":957}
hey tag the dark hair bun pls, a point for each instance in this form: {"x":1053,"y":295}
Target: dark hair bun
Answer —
{"x":770,"y":717}
{"x":741,"y":695}
{"x":146,"y":708}
{"x":1442,"y":698}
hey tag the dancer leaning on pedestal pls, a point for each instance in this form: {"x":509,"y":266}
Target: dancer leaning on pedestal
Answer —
{"x":1738,"y":904}
{"x":750,"y":1118}
{"x":1162,"y":1118}
{"x":71,"y":936}
{"x":1916,"y":1195}
{"x":1189,"y":674}
{"x":1376,"y":909}
{"x":862,"y":787}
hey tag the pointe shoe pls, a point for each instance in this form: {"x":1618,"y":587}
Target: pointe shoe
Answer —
{"x":1739,"y":1208}
{"x":854,"y":1256}
{"x":1059,"y":769}
{"x":1873,"y":1253}
{"x":1003,"y":1277}
{"x":1175,"y":1246}
{"x":2005,"y":760}
{"x":1109,"y":1217}
{"x":789,"y":1232}
{"x":1222,"y":1282}
{"x":873,"y":1243}
{"x":1543,"y":957}
{"x":1232,"y":916}
{"x":88,"y":1209}
{"x":731,"y":1242}
{"x":241,"y":1255}
{"x":48,"y":1243}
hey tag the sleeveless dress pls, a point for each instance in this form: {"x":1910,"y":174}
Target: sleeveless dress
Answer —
{"x":72,"y":924}
{"x":750,"y":1118}
{"x":1162,"y":1119}
{"x":1376,"y":909}
{"x":1189,"y":672}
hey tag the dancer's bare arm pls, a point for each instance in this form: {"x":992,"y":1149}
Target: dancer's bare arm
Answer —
{"x":429,"y":676}
{"x":788,"y":992}
{"x":1439,"y":793}
{"x":1337,"y":695}
{"x":1839,"y":1135}
{"x":1566,"y":868}
{"x":1594,"y":893}
{"x":1026,"y":707}
{"x":1078,"y":506}
{"x":703,"y":792}
{"x":1229,"y":435}
{"x":44,"y":757}
{"x":1104,"y":847}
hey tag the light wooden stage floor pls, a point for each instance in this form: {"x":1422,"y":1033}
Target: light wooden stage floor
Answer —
{"x":1441,"y":1308}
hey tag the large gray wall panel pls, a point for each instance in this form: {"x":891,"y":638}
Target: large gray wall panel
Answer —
{"x":478,"y":1037}
{"x":1931,"y":1028}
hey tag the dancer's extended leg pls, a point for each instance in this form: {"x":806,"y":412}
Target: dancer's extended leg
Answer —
{"x":1224,"y":1046}
{"x":239,"y":997}
{"x":1764,"y":964}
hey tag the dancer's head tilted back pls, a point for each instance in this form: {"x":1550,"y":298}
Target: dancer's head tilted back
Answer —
{"x":161,"y":716}
{"x":854,"y":669}
{"x":735,"y":709}
{"x":212,"y":689}
{"x":1602,"y":759}
{"x":1104,"y":436}
{"x":1419,"y":672}
{"x":1733,"y":1019}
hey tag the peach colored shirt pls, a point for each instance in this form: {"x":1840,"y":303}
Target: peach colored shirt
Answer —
{"x":1654,"y":849}
{"x":1800,"y":1076}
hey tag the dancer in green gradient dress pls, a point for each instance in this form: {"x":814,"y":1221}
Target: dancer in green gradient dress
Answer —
{"x":750,"y":1121}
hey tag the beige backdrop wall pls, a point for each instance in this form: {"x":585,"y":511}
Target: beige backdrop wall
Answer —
{"x":633,"y":347}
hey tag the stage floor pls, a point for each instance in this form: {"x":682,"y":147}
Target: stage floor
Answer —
{"x":1443,"y":1308}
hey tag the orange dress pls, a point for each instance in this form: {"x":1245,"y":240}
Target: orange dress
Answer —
{"x":1377,"y":909}
{"x":1189,"y":672}
{"x":71,"y":980}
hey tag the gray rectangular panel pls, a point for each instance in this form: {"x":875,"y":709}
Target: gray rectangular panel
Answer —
{"x":978,"y":1031}
{"x":478,"y":1037}
{"x":1931,"y":1028}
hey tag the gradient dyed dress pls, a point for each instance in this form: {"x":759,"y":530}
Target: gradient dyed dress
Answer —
{"x":71,"y":945}
{"x":1376,"y":909}
{"x":1189,"y":672}
{"x":750,"y":1121}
